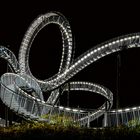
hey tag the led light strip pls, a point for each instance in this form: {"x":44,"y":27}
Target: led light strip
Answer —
{"x":33,"y":106}
{"x":33,"y":30}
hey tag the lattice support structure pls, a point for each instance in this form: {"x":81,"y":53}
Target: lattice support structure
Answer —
{"x":22,"y":92}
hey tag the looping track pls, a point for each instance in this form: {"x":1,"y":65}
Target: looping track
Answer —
{"x":22,"y":92}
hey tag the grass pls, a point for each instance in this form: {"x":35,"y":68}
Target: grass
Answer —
{"x":63,"y":128}
{"x":60,"y":120}
{"x":38,"y":130}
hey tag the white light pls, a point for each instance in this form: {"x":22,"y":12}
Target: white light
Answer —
{"x":99,"y":49}
{"x":88,"y":54}
{"x":70,"y":39}
{"x":75,"y":110}
{"x":133,"y":37}
{"x":102,"y":54}
{"x":37,"y":99}
{"x":95,"y":51}
{"x":94,"y":59}
{"x":125,"y":39}
{"x":120,"y":110}
{"x":68,"y":109}
{"x":129,"y":38}
{"x":127,"y":109}
{"x":102,"y":47}
{"x":43,"y":102}
{"x":134,"y":108}
{"x":60,"y":107}
{"x":113,"y":42}
{"x":117,"y":41}
{"x":72,"y":66}
{"x":85,"y":57}
{"x":69,"y":51}
{"x":79,"y":61}
{"x":91,"y":52}
{"x":70,"y":43}
{"x":113,"y":50}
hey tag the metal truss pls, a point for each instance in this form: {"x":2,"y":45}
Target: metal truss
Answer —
{"x":23,"y":93}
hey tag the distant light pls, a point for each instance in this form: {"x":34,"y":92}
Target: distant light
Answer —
{"x":99,"y":49}
{"x":113,"y":42}
{"x":75,"y":110}
{"x":95,"y":50}
{"x":120,"y":110}
{"x":38,"y":99}
{"x":134,"y":108}
{"x":133,"y":37}
{"x":68,"y":109}
{"x":61,"y":107}
{"x":127,"y":109}
{"x":43,"y":102}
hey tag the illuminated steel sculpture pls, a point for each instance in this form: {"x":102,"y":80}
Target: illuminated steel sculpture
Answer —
{"x":22,"y":92}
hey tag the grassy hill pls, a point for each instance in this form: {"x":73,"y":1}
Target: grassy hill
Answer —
{"x":35,"y":130}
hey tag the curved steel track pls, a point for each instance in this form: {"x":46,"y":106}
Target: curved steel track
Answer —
{"x":22,"y":92}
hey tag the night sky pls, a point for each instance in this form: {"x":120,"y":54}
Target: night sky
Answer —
{"x":91,"y":24}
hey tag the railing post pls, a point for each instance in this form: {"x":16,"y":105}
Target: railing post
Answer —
{"x":88,"y":124}
{"x":105,"y":119}
{"x":10,"y":117}
{"x":6,"y":116}
{"x":105,"y":124}
{"x":68,"y":84}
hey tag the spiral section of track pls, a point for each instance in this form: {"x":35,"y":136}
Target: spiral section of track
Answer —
{"x":23,"y":93}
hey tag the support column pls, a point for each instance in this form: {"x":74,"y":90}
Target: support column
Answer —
{"x":105,"y":123}
{"x":118,"y":79}
{"x":6,"y":116}
{"x":68,"y":84}
{"x":105,"y":120}
{"x":88,"y":124}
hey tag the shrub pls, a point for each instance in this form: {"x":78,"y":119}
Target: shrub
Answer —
{"x":134,"y":123}
{"x":42,"y":130}
{"x":60,"y":120}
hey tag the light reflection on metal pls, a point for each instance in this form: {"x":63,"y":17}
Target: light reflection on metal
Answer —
{"x":23,"y":92}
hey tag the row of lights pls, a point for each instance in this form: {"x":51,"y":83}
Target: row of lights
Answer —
{"x":108,"y":94}
{"x":126,"y":109}
{"x":70,"y":109}
{"x":39,"y":20}
{"x":75,"y":110}
{"x":36,"y":23}
{"x":103,"y":47}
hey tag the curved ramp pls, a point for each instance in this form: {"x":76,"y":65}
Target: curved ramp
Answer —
{"x":23,"y":93}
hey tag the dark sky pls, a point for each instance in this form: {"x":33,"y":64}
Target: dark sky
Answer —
{"x":91,"y":23}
